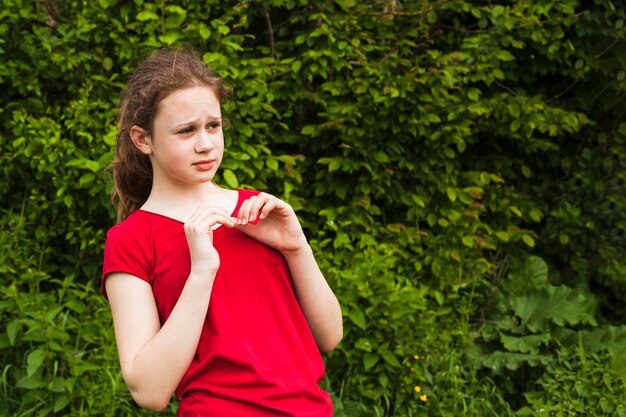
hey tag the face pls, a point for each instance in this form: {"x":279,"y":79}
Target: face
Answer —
{"x":187,"y":142}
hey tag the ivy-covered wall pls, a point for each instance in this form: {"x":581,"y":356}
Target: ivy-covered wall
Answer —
{"x":459,"y":166}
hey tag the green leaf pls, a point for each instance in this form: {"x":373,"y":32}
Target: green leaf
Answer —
{"x":334,"y":165}
{"x":525,"y":344}
{"x":107,"y":63}
{"x":419,"y":201}
{"x":34,"y":361}
{"x":555,"y":304}
{"x":381,"y":157}
{"x":503,"y":236}
{"x":499,"y":361}
{"x":473,"y":94}
{"x":497,"y":11}
{"x":529,"y":241}
{"x":86,"y":178}
{"x":12,"y":329}
{"x":535,"y":214}
{"x":390,"y":358}
{"x":439,"y":297}
{"x":504,"y":55}
{"x":61,"y":402}
{"x":30,"y":382}
{"x":230,"y":178}
{"x":357,"y":317}
{"x":84,"y":163}
{"x":170,"y":37}
{"x":308,"y":130}
{"x":618,"y":363}
{"x":175,"y":16}
{"x":515,"y":211}
{"x":204,"y":31}
{"x":272,"y":164}
{"x":363,"y":344}
{"x":147,"y":15}
{"x":451,"y":192}
{"x":370,"y":360}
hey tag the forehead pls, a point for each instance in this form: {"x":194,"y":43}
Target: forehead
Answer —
{"x":188,"y":102}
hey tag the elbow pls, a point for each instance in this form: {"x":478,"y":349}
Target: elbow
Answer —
{"x":331,"y":341}
{"x":154,"y":406}
{"x":156,"y":403}
{"x":151,"y":397}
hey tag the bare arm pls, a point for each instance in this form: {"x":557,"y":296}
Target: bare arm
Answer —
{"x":318,"y":302}
{"x":154,"y":358}
{"x":279,"y":228}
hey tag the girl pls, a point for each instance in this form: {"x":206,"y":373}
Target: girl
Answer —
{"x":215,"y":294}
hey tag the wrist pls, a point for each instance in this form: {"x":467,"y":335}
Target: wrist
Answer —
{"x":303,"y":250}
{"x":202,"y":273}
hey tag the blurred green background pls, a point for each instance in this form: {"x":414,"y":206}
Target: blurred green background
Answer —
{"x":459,"y":168}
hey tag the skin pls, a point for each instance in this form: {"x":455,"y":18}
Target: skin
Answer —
{"x":186,"y":147}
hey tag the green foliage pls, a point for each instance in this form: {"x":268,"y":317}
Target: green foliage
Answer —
{"x":550,"y":332}
{"x":577,"y":383}
{"x":459,"y":168}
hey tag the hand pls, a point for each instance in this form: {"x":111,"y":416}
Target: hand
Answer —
{"x":271,"y":221}
{"x":199,"y":232}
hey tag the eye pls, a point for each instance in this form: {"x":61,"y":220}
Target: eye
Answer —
{"x":213,"y":125}
{"x":186,"y":131}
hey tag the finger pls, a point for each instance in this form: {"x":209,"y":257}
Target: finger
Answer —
{"x":244,"y":210}
{"x":218,"y":219}
{"x":249,"y":209}
{"x":207,"y":210}
{"x":210,"y":217}
{"x":258,"y":205}
{"x":267,"y":208}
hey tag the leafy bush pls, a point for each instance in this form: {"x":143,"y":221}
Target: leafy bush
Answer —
{"x":459,"y":168}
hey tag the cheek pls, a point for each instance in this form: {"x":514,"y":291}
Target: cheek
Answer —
{"x":219,"y":143}
{"x":180,"y":154}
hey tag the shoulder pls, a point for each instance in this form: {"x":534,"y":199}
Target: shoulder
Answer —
{"x":245,"y":194}
{"x":137,"y":230}
{"x":137,"y":221}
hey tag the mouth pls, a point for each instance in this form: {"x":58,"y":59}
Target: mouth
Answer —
{"x":205,"y":165}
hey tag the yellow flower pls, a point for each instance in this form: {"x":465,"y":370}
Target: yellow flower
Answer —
{"x":423,"y":397}
{"x":418,"y":388}
{"x":416,"y":357}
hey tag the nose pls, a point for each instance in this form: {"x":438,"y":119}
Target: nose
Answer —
{"x":204,"y":142}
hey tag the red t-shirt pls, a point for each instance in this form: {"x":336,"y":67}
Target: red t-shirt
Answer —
{"x":256,"y":355}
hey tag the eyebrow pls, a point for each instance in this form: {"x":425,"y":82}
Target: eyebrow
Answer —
{"x":191,"y":122}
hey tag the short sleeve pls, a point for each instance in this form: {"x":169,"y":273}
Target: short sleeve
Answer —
{"x":123,"y":253}
{"x":243,"y":196}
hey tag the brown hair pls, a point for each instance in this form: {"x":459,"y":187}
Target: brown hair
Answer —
{"x":162,"y":73}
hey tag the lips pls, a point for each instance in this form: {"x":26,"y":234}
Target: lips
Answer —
{"x":204,"y":165}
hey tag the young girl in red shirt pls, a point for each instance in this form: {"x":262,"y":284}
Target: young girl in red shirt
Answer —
{"x":215,"y":294}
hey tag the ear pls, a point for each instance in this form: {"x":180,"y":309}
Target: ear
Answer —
{"x":141,"y":139}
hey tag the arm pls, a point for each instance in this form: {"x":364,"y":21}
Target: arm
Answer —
{"x":154,"y":358}
{"x":279,"y":228}
{"x":318,"y":302}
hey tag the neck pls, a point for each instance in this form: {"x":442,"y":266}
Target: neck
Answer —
{"x":175,"y":201}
